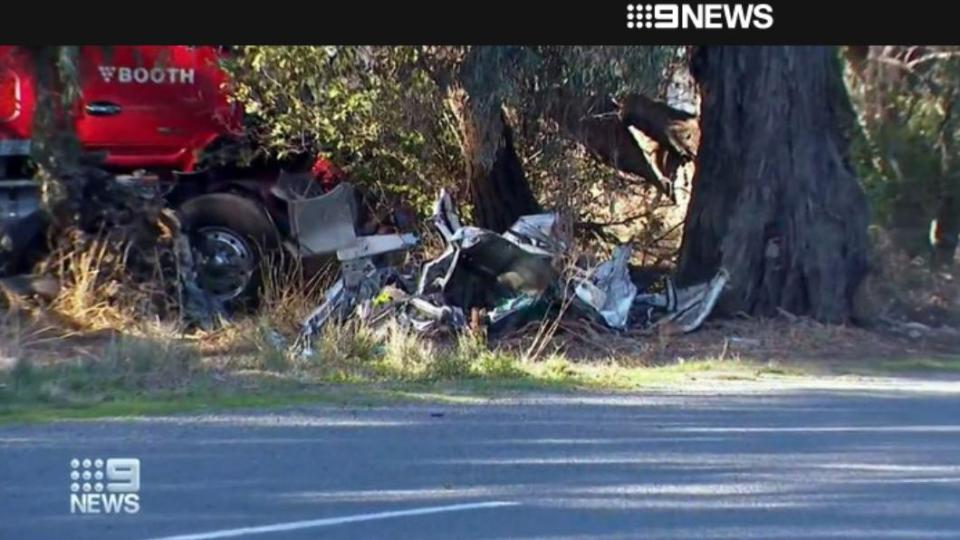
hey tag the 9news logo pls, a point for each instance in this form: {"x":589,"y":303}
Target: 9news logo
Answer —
{"x":100,"y":486}
{"x":699,"y":16}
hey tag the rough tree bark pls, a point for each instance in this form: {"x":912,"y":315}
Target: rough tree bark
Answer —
{"x":775,"y":200}
{"x":498,"y":187}
{"x":500,"y":191}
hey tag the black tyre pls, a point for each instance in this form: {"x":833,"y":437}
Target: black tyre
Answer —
{"x":230,"y":235}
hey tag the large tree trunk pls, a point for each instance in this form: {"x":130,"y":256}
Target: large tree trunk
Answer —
{"x":775,"y":200}
{"x":499,"y":189}
{"x":500,"y":192}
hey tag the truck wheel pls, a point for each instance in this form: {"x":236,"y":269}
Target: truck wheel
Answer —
{"x":229,"y":236}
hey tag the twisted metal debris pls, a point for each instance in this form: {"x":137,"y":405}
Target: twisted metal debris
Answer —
{"x":510,"y":278}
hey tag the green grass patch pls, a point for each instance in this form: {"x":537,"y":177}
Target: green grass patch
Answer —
{"x":157,"y":405}
{"x":135,"y":376}
{"x":920,"y":365}
{"x":133,"y":379}
{"x":117,"y":388}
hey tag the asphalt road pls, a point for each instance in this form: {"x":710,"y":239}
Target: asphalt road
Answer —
{"x":872,"y":463}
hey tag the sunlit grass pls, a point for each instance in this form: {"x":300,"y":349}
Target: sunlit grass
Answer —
{"x":161,"y":372}
{"x":919,"y":365}
{"x":138,"y":376}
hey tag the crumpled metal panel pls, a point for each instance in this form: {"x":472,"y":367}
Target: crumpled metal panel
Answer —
{"x":610,"y":292}
{"x":536,"y":233}
{"x":334,"y":299}
{"x":518,"y":260}
{"x":326,"y":223}
{"x":695,"y":303}
{"x":688,"y":307}
{"x":445,"y":217}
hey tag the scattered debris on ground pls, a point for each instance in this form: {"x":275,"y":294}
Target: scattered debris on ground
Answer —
{"x":511,"y":285}
{"x":501,"y":282}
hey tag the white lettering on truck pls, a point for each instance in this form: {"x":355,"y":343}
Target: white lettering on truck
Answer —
{"x":157,"y":75}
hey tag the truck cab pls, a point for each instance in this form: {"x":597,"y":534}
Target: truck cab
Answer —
{"x":155,"y":110}
{"x":152,"y":108}
{"x":142,"y":107}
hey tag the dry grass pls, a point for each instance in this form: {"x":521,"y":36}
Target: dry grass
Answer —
{"x":908,"y":288}
{"x":145,"y":363}
{"x":405,"y":355}
{"x":125,"y":366}
{"x":19,"y":337}
{"x":12,"y":341}
{"x":94,"y":294}
{"x":290,"y":292}
{"x":409,"y":356}
{"x":353,"y":351}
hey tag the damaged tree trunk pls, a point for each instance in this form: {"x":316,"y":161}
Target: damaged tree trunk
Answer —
{"x":775,"y":200}
{"x":498,"y":187}
{"x":501,"y":193}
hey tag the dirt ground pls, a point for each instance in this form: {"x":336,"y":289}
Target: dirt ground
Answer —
{"x":779,"y":340}
{"x":910,"y":311}
{"x":798,"y":344}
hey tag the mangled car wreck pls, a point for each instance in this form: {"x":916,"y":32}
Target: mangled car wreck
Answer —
{"x":206,"y":225}
{"x":500,"y":281}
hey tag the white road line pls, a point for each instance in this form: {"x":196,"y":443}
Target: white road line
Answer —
{"x":294,"y":525}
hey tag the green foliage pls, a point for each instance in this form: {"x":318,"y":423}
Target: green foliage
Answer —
{"x":387,"y":113}
{"x":907,"y":100}
{"x":374,"y":110}
{"x":901,"y":172}
{"x":523,"y":77}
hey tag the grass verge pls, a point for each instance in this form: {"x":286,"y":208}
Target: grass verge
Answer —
{"x":133,"y":376}
{"x":160,"y":372}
